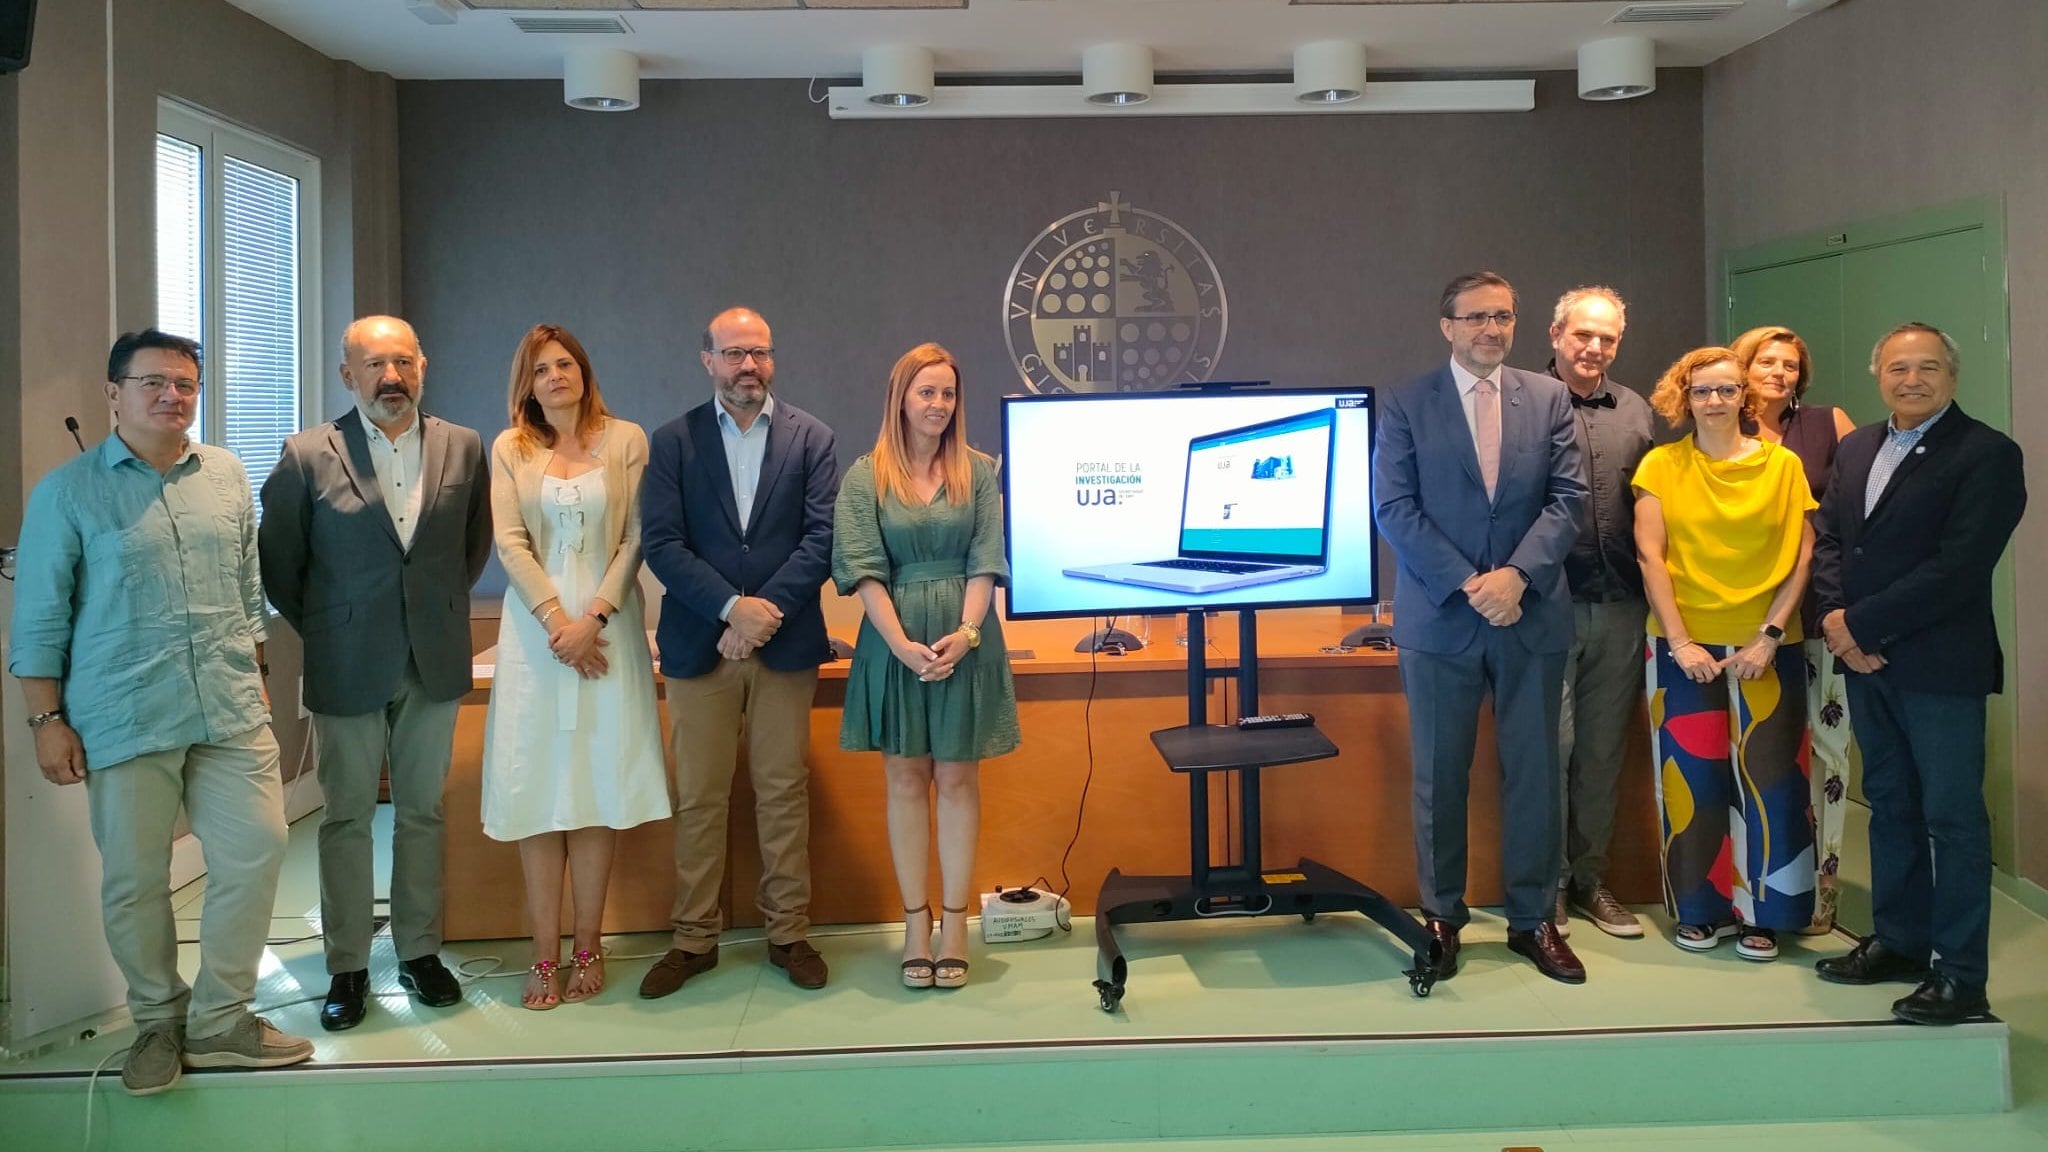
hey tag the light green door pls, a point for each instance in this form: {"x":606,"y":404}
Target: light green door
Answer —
{"x":1841,"y":291}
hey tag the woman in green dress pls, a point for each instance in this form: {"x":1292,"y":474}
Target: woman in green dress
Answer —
{"x":918,"y":535}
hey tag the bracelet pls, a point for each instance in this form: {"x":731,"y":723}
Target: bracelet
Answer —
{"x":553,"y":611}
{"x":600,"y":617}
{"x":262,"y":669}
{"x":972,"y":631}
{"x":41,"y":718}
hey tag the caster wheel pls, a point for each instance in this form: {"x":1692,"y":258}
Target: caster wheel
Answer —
{"x":1420,"y":983}
{"x":1308,"y":917}
{"x":1108,"y":996}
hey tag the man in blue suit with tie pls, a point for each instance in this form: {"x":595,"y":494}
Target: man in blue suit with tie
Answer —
{"x":1479,"y":485}
{"x":736,"y":521}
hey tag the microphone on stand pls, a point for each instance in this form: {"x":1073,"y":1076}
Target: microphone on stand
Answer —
{"x":71,"y":425}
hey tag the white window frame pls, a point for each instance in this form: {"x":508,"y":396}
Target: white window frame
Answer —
{"x":217,"y":139}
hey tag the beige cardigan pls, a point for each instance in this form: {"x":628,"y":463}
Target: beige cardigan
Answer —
{"x":525,"y":534}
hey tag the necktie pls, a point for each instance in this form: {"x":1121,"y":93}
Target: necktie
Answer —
{"x":1603,"y":400}
{"x":1486,"y":413}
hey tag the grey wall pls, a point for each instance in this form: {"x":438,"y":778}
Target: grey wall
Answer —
{"x":856,"y":240}
{"x":1876,"y":107}
{"x":77,"y":244}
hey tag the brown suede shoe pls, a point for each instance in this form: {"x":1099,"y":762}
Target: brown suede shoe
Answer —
{"x":671,"y":970}
{"x":805,"y":967}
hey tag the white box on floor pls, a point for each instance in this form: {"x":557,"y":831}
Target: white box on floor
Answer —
{"x":1016,"y":914}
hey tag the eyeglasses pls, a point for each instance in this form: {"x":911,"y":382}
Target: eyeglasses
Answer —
{"x":155,"y":385}
{"x":1480,"y":319}
{"x":734,"y":357}
{"x":1709,"y":391}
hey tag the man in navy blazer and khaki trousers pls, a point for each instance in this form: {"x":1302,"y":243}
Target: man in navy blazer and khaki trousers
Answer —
{"x":1479,"y":485}
{"x":736,"y":520}
{"x":1918,"y":511}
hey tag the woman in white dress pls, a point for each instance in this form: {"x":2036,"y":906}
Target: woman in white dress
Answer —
{"x":572,"y":747}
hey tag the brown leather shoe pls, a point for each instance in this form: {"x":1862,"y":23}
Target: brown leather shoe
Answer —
{"x":1446,"y":937}
{"x":1548,"y":951}
{"x":805,"y":967}
{"x":671,"y":970}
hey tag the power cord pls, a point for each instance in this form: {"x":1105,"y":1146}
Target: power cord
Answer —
{"x":1066,"y":922}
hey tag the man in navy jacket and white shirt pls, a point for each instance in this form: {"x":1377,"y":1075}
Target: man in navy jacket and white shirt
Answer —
{"x":736,"y":516}
{"x":1918,"y":511}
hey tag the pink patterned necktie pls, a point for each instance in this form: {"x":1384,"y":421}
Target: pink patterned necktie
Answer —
{"x":1486,"y":415}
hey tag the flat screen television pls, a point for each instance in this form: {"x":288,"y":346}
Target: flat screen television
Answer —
{"x":1125,"y":503}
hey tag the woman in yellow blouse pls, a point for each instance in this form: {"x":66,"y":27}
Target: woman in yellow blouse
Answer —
{"x":1724,"y":543}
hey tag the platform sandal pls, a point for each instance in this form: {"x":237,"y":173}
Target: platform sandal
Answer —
{"x":950,"y":971}
{"x":920,"y":971}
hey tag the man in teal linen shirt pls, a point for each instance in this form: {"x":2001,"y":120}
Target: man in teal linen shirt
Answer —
{"x":138,"y":638}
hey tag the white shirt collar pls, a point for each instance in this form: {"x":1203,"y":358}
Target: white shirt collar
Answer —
{"x":1467,"y":380}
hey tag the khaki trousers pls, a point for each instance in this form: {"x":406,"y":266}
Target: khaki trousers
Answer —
{"x":234,"y":797}
{"x":707,"y":716}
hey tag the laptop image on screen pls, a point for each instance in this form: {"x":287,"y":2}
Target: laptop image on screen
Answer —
{"x":1255,"y":509}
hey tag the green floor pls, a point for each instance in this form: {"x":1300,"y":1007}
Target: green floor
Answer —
{"x":1332,"y":990}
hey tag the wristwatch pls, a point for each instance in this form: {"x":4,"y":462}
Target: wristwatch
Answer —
{"x":41,"y":718}
{"x":973,"y":633}
{"x":1774,"y":633}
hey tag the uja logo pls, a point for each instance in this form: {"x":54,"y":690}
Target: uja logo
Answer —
{"x":1114,"y":299}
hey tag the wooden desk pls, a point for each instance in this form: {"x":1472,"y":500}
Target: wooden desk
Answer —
{"x":1350,"y":812}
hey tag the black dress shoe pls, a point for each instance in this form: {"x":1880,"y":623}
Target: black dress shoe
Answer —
{"x":1941,"y":1000}
{"x":430,"y":980}
{"x":1871,"y":963}
{"x":1548,"y":951}
{"x":345,"y":1000}
{"x":1445,"y":936}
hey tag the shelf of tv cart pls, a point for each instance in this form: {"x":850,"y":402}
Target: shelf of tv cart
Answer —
{"x":1213,"y":890}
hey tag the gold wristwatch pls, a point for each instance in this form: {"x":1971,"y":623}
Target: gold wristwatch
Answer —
{"x":972,"y":631}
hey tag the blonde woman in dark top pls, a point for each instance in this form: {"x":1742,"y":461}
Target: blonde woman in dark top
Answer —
{"x":1779,"y":368}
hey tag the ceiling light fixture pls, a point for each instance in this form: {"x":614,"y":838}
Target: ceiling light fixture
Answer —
{"x":1050,"y":101}
{"x":601,"y":79}
{"x":897,"y":75}
{"x":1117,"y":74}
{"x":1617,"y":68}
{"x":1329,"y":72}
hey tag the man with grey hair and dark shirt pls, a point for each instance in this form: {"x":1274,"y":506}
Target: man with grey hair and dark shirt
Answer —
{"x":1603,"y":675}
{"x":138,"y":639}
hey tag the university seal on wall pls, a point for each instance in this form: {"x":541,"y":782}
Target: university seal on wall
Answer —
{"x":1114,"y":299}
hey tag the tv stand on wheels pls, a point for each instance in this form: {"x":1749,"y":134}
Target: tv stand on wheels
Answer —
{"x":1242,"y":888}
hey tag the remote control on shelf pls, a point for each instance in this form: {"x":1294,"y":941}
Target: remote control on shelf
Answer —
{"x":1276,"y":720}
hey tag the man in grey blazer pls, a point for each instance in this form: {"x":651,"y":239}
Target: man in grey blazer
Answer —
{"x":375,"y":526}
{"x":1479,"y":485}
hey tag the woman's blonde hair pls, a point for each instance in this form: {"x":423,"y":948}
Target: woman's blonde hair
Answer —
{"x":1750,"y":343}
{"x":891,"y":457}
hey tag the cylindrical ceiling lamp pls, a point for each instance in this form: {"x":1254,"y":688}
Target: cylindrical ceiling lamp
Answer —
{"x":1618,"y":68}
{"x":601,"y":79}
{"x":897,"y":75}
{"x":1117,"y":74}
{"x":1329,"y":72}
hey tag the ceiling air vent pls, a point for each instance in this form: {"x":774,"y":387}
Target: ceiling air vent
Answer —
{"x":1675,"y":12}
{"x":572,"y":25}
